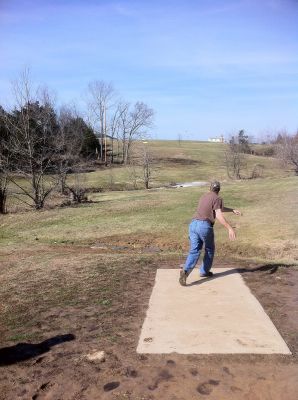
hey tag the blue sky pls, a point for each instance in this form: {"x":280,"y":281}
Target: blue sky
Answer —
{"x":206,"y":67}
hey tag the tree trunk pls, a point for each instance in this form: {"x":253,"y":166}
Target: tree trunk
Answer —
{"x":123,"y":152}
{"x":112,"y":151}
{"x":3,"y":197}
{"x":63,"y":184}
{"x":39,"y":201}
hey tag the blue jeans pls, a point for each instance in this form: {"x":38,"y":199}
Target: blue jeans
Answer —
{"x":200,"y":233}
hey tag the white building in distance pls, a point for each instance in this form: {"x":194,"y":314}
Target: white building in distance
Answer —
{"x":219,"y":139}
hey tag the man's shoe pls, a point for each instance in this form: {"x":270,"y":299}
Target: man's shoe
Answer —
{"x":183,"y":276}
{"x":208,"y":275}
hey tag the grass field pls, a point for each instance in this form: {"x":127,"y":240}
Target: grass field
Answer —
{"x":184,"y":162}
{"x":89,"y":269}
{"x":267,"y":229}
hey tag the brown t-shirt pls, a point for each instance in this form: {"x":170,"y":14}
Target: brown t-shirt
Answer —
{"x":208,"y":203}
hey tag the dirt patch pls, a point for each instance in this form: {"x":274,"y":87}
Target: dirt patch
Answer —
{"x":178,"y":161}
{"x":138,"y":242}
{"x":275,"y":286}
{"x":101,"y":300}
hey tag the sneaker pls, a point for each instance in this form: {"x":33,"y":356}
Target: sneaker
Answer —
{"x":208,"y":275}
{"x":183,"y":276}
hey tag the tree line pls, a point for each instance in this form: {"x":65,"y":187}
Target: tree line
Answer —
{"x":41,"y":145}
{"x":284,"y":147}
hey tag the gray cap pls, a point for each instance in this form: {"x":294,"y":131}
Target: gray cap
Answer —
{"x":215,"y":186}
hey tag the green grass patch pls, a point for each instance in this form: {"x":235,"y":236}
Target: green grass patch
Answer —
{"x":268,"y":227}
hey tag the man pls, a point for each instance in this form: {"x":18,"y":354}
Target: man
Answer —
{"x":201,"y":233}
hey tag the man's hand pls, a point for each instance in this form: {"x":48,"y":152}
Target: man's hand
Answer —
{"x":237,"y":212}
{"x":232,"y":234}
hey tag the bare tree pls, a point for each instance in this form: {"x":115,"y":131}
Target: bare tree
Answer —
{"x":141,"y":164}
{"x":99,"y":102}
{"x":69,"y":145}
{"x":5,"y":162}
{"x":77,"y":188}
{"x":287,"y":150}
{"x":147,"y":164}
{"x":133,"y":125}
{"x":33,"y":129}
{"x":123,"y":128}
{"x":115,"y":127}
{"x":235,"y":160}
{"x":117,"y":119}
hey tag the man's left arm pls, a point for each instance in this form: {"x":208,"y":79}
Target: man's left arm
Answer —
{"x":227,"y":209}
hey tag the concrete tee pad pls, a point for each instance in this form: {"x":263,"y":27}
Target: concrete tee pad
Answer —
{"x":208,"y":316}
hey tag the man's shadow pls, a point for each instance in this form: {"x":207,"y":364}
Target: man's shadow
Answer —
{"x":215,"y":276}
{"x":269,"y":268}
{"x":25,"y":351}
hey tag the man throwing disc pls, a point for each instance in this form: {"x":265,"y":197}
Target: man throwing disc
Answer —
{"x":210,"y":208}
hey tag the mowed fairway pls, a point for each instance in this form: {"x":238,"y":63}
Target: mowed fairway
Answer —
{"x":175,"y":162}
{"x":89,"y":270}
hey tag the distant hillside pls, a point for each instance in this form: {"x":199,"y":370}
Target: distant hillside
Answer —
{"x":186,"y":161}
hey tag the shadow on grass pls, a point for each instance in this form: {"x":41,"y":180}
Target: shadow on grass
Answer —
{"x":25,"y":351}
{"x":269,"y":268}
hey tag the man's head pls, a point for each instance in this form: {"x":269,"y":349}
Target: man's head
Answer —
{"x":215,"y":186}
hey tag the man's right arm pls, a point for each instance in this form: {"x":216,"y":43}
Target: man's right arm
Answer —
{"x":220,"y":217}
